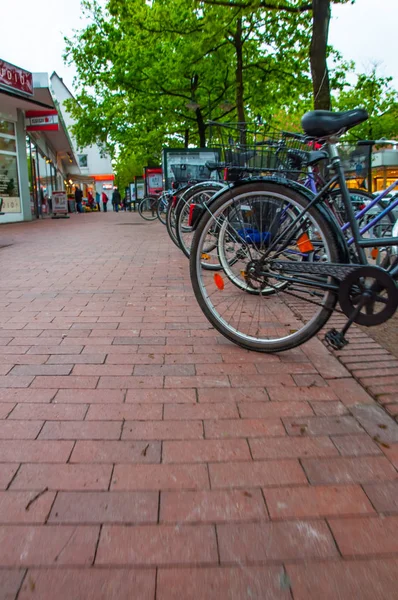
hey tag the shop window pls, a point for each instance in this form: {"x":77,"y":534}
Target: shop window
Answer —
{"x":9,"y":182}
{"x":82,"y":160}
{"x":7,"y":128}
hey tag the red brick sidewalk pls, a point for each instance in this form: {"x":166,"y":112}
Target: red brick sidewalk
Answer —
{"x":143,"y":456}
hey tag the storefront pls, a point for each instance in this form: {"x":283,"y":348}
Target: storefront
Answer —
{"x":36,"y":152}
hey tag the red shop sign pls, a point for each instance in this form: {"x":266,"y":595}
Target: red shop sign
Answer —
{"x":15,"y":79}
{"x":41,"y":120}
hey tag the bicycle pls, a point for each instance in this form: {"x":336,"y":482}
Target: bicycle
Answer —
{"x":281,"y":243}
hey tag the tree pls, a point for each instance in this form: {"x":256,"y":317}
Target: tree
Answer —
{"x":318,"y":51}
{"x":157,"y":72}
{"x":374,"y":93}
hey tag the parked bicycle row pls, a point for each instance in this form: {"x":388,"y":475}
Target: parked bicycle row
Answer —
{"x":277,"y":241}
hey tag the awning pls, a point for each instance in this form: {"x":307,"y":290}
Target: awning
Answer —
{"x":25,"y":103}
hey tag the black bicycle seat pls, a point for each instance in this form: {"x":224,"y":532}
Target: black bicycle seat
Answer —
{"x":323,"y":123}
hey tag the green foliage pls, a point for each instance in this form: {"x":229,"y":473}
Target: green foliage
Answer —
{"x":374,"y":93}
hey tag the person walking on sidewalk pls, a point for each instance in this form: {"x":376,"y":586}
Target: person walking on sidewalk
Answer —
{"x":105,"y":202}
{"x":78,"y":199}
{"x":98,"y":201}
{"x":116,"y":199}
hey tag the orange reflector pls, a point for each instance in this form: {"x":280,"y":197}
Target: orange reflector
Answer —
{"x":219,"y":281}
{"x":243,"y":273}
{"x":304,"y":243}
{"x":374,"y":253}
{"x":205,"y":256}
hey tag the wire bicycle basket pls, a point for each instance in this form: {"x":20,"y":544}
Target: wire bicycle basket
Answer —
{"x":255,"y":148}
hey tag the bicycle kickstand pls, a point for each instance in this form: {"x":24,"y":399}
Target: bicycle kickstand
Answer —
{"x":336,"y":339}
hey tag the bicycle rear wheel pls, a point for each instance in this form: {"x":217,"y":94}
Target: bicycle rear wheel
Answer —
{"x":258,"y":214}
{"x":147,"y":208}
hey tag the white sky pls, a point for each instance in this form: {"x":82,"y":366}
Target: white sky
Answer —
{"x":33,"y":37}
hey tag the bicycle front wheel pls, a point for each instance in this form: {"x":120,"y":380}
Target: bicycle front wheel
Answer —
{"x":147,"y":208}
{"x":161,"y":208}
{"x":265,"y":224}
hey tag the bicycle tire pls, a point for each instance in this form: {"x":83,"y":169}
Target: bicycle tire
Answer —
{"x":203,"y":193}
{"x":295,"y":337}
{"x":148,"y":203}
{"x":161,"y":208}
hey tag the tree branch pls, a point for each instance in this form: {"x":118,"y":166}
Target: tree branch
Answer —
{"x":265,"y":4}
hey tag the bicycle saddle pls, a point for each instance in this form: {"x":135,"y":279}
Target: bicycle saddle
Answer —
{"x":322,"y":123}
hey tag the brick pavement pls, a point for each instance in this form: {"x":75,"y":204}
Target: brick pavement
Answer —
{"x":143,"y":456}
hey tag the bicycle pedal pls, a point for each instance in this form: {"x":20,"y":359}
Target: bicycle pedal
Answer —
{"x":335,"y":339}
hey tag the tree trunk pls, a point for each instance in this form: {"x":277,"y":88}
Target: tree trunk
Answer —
{"x":201,"y":128}
{"x":186,"y":138}
{"x":318,"y":51}
{"x":238,"y":43}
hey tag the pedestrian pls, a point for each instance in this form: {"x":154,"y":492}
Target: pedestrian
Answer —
{"x":90,"y":200}
{"x":105,"y":202}
{"x":116,"y":199}
{"x":79,"y":199}
{"x":97,"y":200}
{"x":124,"y":203}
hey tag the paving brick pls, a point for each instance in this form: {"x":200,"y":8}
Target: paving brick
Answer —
{"x":329,"y":409}
{"x":350,"y":392}
{"x":103,"y":370}
{"x":5,"y":409}
{"x":25,"y":507}
{"x":49,"y":412}
{"x":268,"y":381}
{"x":281,"y":394}
{"x":15,"y":381}
{"x":392,"y":454}
{"x":233,"y":395}
{"x":164,"y":370}
{"x":377,"y":423}
{"x":62,"y":477}
{"x":116,"y":452}
{"x":345,"y":580}
{"x":157,"y":545}
{"x":200,"y":411}
{"x":160,"y":477}
{"x":90,"y":396}
{"x":18,"y":430}
{"x":70,"y":382}
{"x":285,"y":447}
{"x":256,"y":473}
{"x":267,"y":410}
{"x":247,"y":428}
{"x":105,"y":507}
{"x":383,"y":495}
{"x":124,"y":412}
{"x":355,"y":445}
{"x":196,"y":359}
{"x":364,"y":537}
{"x":203,"y":381}
{"x":54,"y":350}
{"x":81,"y":430}
{"x":10,"y":582}
{"x":25,"y":359}
{"x":35,"y":451}
{"x":317,"y":501}
{"x":322,"y":426}
{"x":349,"y":470}
{"x":41,"y":370}
{"x":257,"y":583}
{"x":214,"y":506}
{"x":260,"y":542}
{"x":139,"y":382}
{"x":162,"y":430}
{"x":164,"y":396}
{"x":7,"y":472}
{"x":89,"y":584}
{"x":27,"y":395}
{"x":76,"y":359}
{"x":205,"y":451}
{"x":47,"y":545}
{"x":135,"y":359}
